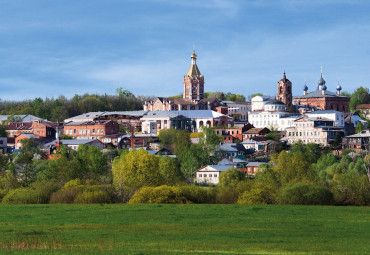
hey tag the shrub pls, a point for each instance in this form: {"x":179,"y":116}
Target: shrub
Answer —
{"x":65,"y":196}
{"x":158,"y":195}
{"x":260,"y":193}
{"x":197,"y":194}
{"x":306,"y":194}
{"x":351,"y":189}
{"x":73,"y":184}
{"x":36,"y":193}
{"x":21,"y":196}
{"x":92,"y":197}
{"x":231,"y":177}
{"x":3,"y":193}
{"x":226,"y":194}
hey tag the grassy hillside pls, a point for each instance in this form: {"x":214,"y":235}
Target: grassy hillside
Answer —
{"x":183,"y":229}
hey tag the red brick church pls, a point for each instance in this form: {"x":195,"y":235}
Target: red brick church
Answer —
{"x":322,"y":98}
{"x":193,"y":95}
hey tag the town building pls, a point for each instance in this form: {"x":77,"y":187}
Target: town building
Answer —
{"x":19,"y":118}
{"x":357,"y":142}
{"x":322,"y":98}
{"x":335,"y":116}
{"x":313,"y":130}
{"x":238,"y":110}
{"x":91,"y":129}
{"x":364,"y":109}
{"x":16,"y":128}
{"x":210,"y":174}
{"x":46,"y":129}
{"x":255,"y":132}
{"x":190,"y":120}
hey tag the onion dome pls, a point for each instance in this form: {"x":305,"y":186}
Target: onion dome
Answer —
{"x":324,"y":87}
{"x":305,"y":88}
{"x":321,"y":81}
{"x":339,"y":88}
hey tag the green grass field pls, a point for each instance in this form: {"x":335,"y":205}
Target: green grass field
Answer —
{"x":183,"y":229}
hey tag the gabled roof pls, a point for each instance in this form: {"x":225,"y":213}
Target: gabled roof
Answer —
{"x":213,"y":168}
{"x":255,"y":164}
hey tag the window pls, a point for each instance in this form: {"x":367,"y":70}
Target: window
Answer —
{"x":74,"y":131}
{"x":205,"y":175}
{"x":102,"y":131}
{"x":93,"y":130}
{"x":215,"y":175}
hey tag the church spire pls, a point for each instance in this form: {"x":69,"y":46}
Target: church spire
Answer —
{"x":194,"y":70}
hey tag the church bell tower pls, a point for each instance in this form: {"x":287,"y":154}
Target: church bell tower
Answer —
{"x":193,"y":81}
{"x":285,"y":91}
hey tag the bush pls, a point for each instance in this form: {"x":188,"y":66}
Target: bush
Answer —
{"x":197,"y":194}
{"x":351,"y":189}
{"x":306,"y":194}
{"x":65,"y":196}
{"x":260,"y":193}
{"x":92,"y":197}
{"x":76,"y":192}
{"x":36,"y":193}
{"x":231,"y":177}
{"x":158,"y":195}
{"x":21,"y":196}
{"x":3,"y":193}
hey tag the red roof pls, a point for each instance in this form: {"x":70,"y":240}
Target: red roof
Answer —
{"x":363,"y":106}
{"x":19,"y":126}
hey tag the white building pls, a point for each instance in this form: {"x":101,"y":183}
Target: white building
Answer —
{"x":190,"y":120}
{"x":336,"y":116}
{"x":258,"y":102}
{"x":238,"y":110}
{"x":278,"y":121}
{"x":312,"y":130}
{"x":211,"y":173}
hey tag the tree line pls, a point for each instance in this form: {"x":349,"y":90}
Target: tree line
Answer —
{"x":61,"y":108}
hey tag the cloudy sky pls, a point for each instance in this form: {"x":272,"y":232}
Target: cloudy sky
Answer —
{"x":49,"y":48}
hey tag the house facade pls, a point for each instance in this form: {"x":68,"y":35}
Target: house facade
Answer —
{"x":91,"y":129}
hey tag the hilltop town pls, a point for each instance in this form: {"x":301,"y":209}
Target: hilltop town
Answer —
{"x":201,"y":137}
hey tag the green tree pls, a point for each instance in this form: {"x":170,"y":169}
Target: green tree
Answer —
{"x":231,"y":177}
{"x":3,"y":132}
{"x":359,"y":96}
{"x":135,"y":169}
{"x":359,"y":127}
{"x":169,"y":170}
{"x":24,"y":161}
{"x":174,"y":140}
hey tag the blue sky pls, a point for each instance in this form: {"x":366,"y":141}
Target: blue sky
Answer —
{"x":48,"y":48}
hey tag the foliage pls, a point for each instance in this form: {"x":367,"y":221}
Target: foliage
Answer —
{"x":25,"y":159}
{"x":65,"y":137}
{"x":231,"y":176}
{"x":306,"y":194}
{"x":272,"y":136}
{"x":92,"y":197}
{"x":135,"y":169}
{"x":58,"y":109}
{"x":260,"y":193}
{"x":293,"y":167}
{"x":351,"y":189}
{"x":359,"y":127}
{"x":174,"y":140}
{"x":359,"y":96}
{"x":36,"y":193}
{"x":3,"y":132}
{"x":88,"y":162}
{"x":225,"y":96}
{"x":169,"y":170}
{"x":158,"y":195}
{"x":197,"y":194}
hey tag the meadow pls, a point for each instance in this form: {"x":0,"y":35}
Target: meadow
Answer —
{"x":183,"y":229}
